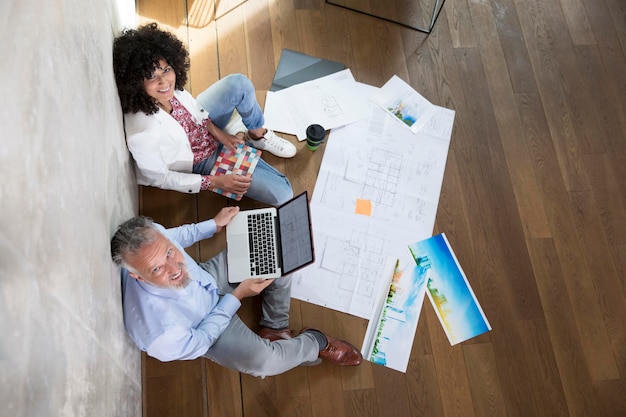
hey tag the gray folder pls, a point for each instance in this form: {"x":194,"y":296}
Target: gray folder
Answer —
{"x":295,"y":67}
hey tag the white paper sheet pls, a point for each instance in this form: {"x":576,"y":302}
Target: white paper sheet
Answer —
{"x":392,"y":177}
{"x":328,"y":101}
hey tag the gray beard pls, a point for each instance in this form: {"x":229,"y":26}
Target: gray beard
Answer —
{"x":184,"y":282}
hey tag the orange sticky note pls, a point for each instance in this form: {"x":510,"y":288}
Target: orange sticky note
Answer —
{"x":363,"y":207}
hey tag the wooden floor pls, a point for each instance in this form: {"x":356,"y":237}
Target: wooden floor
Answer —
{"x":533,"y":202}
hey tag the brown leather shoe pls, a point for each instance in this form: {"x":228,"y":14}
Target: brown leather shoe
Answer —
{"x":272,"y":334}
{"x":339,"y":352}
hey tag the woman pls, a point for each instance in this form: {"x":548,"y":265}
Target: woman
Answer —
{"x":176,"y":139}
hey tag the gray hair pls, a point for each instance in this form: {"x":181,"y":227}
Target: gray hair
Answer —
{"x":130,"y":237}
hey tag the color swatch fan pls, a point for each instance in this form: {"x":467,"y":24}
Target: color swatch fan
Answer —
{"x":241,"y":162}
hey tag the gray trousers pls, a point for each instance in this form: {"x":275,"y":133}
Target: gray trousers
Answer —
{"x":241,"y":349}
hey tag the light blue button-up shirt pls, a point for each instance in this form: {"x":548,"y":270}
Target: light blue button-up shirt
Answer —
{"x":171,"y":324}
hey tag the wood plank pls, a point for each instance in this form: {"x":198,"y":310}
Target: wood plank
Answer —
{"x":600,"y":103}
{"x":361,"y":403}
{"x":367,"y":65}
{"x":614,"y":61}
{"x":459,"y":24}
{"x":326,"y":393}
{"x":223,"y":391}
{"x":482,"y":372}
{"x":569,"y":354}
{"x":353,"y":329}
{"x":485,"y":128}
{"x":577,"y":22}
{"x":422,"y":386}
{"x":391,"y":52}
{"x":617,"y":13}
{"x":600,"y":18}
{"x":295,"y":407}
{"x":259,"y":46}
{"x":310,"y":28}
{"x":284,"y":27}
{"x":610,"y":394}
{"x":174,"y":388}
{"x":619,"y":257}
{"x":421,"y":376}
{"x":500,"y":298}
{"x":490,"y":204}
{"x":232,"y":50}
{"x":514,"y":50}
{"x":390,"y":394}
{"x":580,"y":286}
{"x":610,"y":196}
{"x":170,"y":15}
{"x":200,"y":13}
{"x":202,"y":47}
{"x":325,"y":380}
{"x":259,"y":396}
{"x":337,"y":35}
{"x":447,"y":77}
{"x":223,"y":7}
{"x":605,"y":278}
{"x":453,"y":217}
{"x":576,"y":89}
{"x":423,"y":71}
{"x":548,"y":393}
{"x":503,"y":100}
{"x":549,"y":74}
{"x":453,"y":382}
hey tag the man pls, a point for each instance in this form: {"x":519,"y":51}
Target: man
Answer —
{"x":175,"y":308}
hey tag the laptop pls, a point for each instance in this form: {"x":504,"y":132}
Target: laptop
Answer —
{"x":270,"y":242}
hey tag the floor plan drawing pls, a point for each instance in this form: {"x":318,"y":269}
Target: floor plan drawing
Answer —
{"x":396,"y":175}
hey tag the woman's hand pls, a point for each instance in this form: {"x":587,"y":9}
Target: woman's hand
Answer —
{"x":251,"y":287}
{"x":233,"y":183}
{"x":229,"y":141}
{"x":224,"y":217}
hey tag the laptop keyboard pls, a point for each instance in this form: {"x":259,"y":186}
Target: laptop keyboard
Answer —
{"x":262,"y":250}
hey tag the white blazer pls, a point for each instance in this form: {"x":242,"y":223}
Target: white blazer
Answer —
{"x":161,"y":149}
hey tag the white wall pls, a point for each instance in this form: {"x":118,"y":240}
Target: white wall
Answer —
{"x":65,"y":183}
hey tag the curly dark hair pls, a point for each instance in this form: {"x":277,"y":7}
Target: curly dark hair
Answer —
{"x":136,"y":54}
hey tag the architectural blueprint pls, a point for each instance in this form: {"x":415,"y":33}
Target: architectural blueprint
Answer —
{"x":377,"y":191}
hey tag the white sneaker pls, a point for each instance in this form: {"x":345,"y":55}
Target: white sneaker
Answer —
{"x":274,"y":144}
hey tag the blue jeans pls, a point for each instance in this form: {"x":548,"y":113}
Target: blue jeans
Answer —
{"x":232,"y":92}
{"x":235,"y":91}
{"x":241,"y":349}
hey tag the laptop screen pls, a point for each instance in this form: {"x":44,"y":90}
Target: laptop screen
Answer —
{"x":296,"y":239}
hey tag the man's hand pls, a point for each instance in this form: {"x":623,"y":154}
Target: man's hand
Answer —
{"x":251,"y":287}
{"x":224,"y":217}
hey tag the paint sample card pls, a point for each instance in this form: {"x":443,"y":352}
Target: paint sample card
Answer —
{"x":449,"y":291}
{"x":241,"y":162}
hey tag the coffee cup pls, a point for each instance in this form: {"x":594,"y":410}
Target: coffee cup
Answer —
{"x":315,"y":135}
